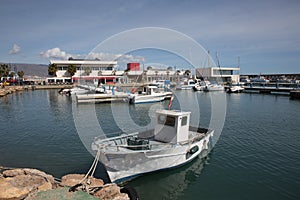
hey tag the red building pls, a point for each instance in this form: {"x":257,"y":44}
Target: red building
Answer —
{"x":133,"y":66}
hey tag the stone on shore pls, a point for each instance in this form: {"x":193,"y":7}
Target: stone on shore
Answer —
{"x":111,"y":192}
{"x":74,"y":179}
{"x":33,"y":184}
{"x":17,"y":184}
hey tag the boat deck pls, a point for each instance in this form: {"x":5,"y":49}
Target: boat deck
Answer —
{"x":145,"y":141}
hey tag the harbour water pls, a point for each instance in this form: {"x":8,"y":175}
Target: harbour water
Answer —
{"x":256,"y":157}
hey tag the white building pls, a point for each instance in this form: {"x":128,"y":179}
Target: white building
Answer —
{"x":89,"y":70}
{"x":217,"y":73}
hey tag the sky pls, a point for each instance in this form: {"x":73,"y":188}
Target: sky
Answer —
{"x":263,"y":34}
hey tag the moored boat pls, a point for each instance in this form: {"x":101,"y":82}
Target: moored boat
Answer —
{"x":186,"y":85}
{"x":170,"y":144}
{"x":151,"y":95}
{"x":235,"y":89}
{"x":214,"y":87}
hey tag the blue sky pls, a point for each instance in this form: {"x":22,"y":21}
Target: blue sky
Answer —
{"x":265,"y":34}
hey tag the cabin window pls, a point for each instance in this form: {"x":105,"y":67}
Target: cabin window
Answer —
{"x":184,"y":121}
{"x":166,"y":120}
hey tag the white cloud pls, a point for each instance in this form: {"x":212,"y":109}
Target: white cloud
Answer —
{"x":15,"y":49}
{"x":56,"y":53}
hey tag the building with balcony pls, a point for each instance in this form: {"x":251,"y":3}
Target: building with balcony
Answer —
{"x":217,"y":73}
{"x":88,"y":70}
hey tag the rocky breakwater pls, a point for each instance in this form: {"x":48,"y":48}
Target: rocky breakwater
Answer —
{"x":9,"y":90}
{"x":33,"y":184}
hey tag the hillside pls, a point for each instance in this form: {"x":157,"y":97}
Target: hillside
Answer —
{"x":30,"y":69}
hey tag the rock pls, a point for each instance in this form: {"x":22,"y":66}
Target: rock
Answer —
{"x":111,"y":192}
{"x":27,"y":171}
{"x":74,"y":179}
{"x":18,"y":183}
{"x":7,"y":191}
{"x":71,"y":179}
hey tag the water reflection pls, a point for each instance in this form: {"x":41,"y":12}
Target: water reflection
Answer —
{"x":169,"y":184}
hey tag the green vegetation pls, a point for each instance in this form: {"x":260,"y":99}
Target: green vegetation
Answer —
{"x":20,"y":74}
{"x":4,"y":70}
{"x":52,"y":69}
{"x":87,"y":70}
{"x":72,"y":70}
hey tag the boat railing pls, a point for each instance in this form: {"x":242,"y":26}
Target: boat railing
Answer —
{"x":140,"y":147}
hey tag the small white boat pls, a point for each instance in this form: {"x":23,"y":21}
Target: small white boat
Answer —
{"x":186,"y":85}
{"x":200,"y":85}
{"x":235,"y":89}
{"x":151,"y":95}
{"x":214,"y":87}
{"x":75,"y":90}
{"x":170,"y":144}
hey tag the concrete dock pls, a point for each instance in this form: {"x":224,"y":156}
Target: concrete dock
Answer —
{"x":101,"y":98}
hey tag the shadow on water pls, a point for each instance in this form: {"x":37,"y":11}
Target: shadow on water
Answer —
{"x":171,"y":183}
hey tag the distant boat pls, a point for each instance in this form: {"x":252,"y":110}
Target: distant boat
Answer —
{"x":170,"y":144}
{"x":235,"y":89}
{"x":214,"y":87}
{"x":186,"y":85}
{"x":151,"y":95}
{"x":200,"y":85}
{"x":75,"y":90}
{"x":259,"y":79}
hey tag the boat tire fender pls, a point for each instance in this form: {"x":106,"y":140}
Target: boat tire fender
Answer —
{"x":194,"y":149}
{"x":132,"y":194}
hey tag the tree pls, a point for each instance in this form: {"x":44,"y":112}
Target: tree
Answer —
{"x":170,"y":68}
{"x":87,"y":70}
{"x":12,"y":74}
{"x":4,"y":70}
{"x":52,"y":69}
{"x":20,"y":74}
{"x":72,"y":69}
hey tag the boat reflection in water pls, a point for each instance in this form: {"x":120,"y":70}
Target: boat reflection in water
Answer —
{"x":170,"y":184}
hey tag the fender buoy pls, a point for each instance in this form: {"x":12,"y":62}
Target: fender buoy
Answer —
{"x":194,"y":149}
{"x":132,"y":194}
{"x":133,"y":90}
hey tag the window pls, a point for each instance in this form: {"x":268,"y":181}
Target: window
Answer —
{"x":184,"y":121}
{"x":166,"y":120}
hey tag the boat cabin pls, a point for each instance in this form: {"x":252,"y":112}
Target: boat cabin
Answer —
{"x":172,"y":126}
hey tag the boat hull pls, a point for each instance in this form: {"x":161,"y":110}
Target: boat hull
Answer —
{"x":124,"y":166}
{"x":156,"y":97}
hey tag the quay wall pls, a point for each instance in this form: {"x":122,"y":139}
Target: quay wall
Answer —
{"x":11,"y":89}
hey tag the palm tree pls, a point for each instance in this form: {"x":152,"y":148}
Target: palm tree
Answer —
{"x":52,"y":69}
{"x":20,"y":74}
{"x":72,"y":69}
{"x":87,"y":71}
{"x":4,"y":70}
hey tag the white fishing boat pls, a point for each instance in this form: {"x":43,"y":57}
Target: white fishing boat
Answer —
{"x":235,"y":89}
{"x":75,"y":90}
{"x":170,"y":144}
{"x":214,"y":87}
{"x":186,"y":85}
{"x":200,"y":85}
{"x":150,"y":95}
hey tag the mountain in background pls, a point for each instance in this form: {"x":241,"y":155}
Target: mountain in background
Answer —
{"x":29,"y":69}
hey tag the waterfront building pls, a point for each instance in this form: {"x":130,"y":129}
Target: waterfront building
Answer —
{"x":134,"y":73}
{"x":215,"y":73}
{"x":89,"y":70}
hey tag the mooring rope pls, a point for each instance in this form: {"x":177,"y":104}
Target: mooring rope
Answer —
{"x":93,"y":167}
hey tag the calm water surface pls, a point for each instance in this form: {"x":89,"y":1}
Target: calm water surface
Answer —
{"x":256,"y":157}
